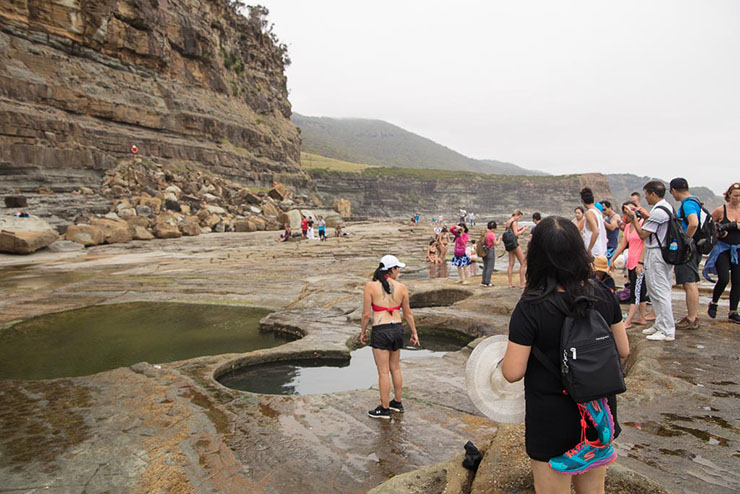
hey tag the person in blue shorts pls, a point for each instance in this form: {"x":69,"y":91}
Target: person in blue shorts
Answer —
{"x":687,"y":274}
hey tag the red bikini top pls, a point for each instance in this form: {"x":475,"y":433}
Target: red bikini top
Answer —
{"x":389,"y":309}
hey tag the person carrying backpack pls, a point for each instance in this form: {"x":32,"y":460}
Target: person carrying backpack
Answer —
{"x":687,"y":274}
{"x":658,"y":272}
{"x":567,"y":434}
{"x":487,"y":251}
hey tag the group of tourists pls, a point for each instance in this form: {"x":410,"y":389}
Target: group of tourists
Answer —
{"x":561,"y":295}
{"x":653,"y":248}
{"x":307,"y":230}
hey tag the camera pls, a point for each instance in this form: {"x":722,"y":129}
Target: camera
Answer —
{"x":726,"y":227}
{"x":638,"y":213}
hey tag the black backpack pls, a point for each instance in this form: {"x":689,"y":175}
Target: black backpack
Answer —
{"x":509,"y":239}
{"x":589,"y":366}
{"x":678,"y":248}
{"x":706,"y":233}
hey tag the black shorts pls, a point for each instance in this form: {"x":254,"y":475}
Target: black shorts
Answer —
{"x":688,"y":272}
{"x":387,"y":336}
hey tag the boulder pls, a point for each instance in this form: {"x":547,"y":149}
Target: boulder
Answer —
{"x":268,"y":209}
{"x":26,"y":242}
{"x":214,"y":209}
{"x":45,"y":191}
{"x":153,"y":202}
{"x":250,"y":198}
{"x":286,"y":205}
{"x":245,"y":226}
{"x":172,"y":205}
{"x":279,"y":192}
{"x":343,"y":207}
{"x":173,"y":189}
{"x":210,"y":220}
{"x":86,"y":235}
{"x":114,"y":231}
{"x":16,"y":201}
{"x":142,"y":210}
{"x":126,"y":212}
{"x":166,"y":230}
{"x":141,"y":233}
{"x":255,"y":210}
{"x":292,"y":217}
{"x":272,"y":224}
{"x":137,"y":221}
{"x":185,"y":208}
{"x":190,"y":228}
{"x":259,"y":223}
{"x":86,"y":191}
{"x":25,"y":235}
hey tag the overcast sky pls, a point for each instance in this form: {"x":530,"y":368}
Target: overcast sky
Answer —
{"x":647,"y":87}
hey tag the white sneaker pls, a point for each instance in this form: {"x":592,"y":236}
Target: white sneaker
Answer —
{"x":660,"y":336}
{"x":650,"y":330}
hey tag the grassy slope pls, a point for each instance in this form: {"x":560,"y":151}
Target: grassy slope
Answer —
{"x":312,"y":161}
{"x":375,"y":142}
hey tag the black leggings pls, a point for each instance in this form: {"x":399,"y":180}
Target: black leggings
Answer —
{"x":724,"y":269}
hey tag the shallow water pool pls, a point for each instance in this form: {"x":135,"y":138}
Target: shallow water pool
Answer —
{"x":317,"y":376}
{"x":93,"y":339}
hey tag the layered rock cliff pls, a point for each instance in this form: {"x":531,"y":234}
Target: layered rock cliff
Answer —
{"x":400,"y":192}
{"x":186,"y":81}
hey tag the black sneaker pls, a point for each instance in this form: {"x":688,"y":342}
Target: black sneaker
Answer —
{"x":380,"y":413}
{"x":712,"y":310}
{"x":734,"y":317}
{"x":396,"y":406}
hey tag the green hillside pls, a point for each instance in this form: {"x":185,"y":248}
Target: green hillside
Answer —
{"x":379,"y":143}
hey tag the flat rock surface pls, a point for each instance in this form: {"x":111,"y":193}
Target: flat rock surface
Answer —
{"x":173,"y":427}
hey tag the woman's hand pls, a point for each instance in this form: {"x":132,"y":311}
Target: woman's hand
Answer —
{"x":363,"y":337}
{"x":639,"y":269}
{"x":415,"y":339}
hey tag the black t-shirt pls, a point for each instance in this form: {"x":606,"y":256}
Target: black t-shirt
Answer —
{"x":552,"y":418}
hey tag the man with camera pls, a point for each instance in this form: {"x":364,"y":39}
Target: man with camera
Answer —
{"x":658,"y":273}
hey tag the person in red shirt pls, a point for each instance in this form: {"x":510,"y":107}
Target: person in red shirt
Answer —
{"x":304,"y":227}
{"x":489,"y":260}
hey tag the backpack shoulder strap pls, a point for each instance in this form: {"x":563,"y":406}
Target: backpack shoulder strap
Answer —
{"x":671,"y":215}
{"x":546,"y":362}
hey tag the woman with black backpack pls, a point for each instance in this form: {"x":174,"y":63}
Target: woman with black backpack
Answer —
{"x":564,"y":439}
{"x":511,"y":244}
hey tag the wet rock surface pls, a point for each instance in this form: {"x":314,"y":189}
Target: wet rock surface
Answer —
{"x":175,"y":428}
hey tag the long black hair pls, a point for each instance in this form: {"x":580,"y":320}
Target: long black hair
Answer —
{"x":380,"y":275}
{"x":556,"y":256}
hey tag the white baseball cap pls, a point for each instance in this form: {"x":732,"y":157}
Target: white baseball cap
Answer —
{"x":390,"y":261}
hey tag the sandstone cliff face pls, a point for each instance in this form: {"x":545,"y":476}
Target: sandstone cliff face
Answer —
{"x":187,"y":81}
{"x":395,"y":193}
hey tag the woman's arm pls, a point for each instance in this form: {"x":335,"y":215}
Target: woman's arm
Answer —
{"x":620,"y":248}
{"x":620,"y":338}
{"x":367,"y":302}
{"x":515,"y":361}
{"x":409,"y":316}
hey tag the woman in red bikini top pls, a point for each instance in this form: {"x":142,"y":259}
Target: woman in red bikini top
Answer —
{"x":385,"y":300}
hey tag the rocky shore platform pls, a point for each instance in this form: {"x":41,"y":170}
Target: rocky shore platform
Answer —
{"x":172,"y":427}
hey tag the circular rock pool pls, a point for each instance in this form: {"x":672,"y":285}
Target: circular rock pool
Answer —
{"x":93,"y":339}
{"x":325,"y":375}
